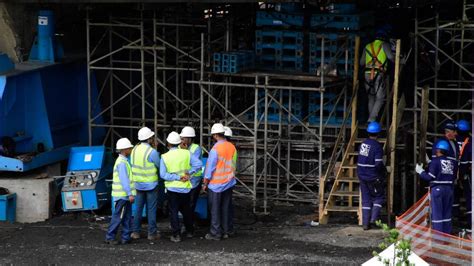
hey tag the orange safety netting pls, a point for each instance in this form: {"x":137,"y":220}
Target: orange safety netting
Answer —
{"x":433,"y":246}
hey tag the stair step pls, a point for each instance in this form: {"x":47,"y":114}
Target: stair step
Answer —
{"x":348,"y":179}
{"x":343,"y":209}
{"x":354,"y":166}
{"x":346,"y":193}
{"x":379,"y":140}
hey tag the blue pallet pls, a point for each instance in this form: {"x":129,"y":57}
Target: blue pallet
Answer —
{"x":217,"y":69}
{"x":260,"y":45}
{"x":216,"y":56}
{"x":271,"y":18}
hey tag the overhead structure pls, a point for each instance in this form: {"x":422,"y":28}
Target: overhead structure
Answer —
{"x":443,"y":50}
{"x":153,"y":72}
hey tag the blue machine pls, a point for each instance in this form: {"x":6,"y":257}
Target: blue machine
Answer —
{"x":6,"y":64}
{"x":45,"y":47}
{"x":43,"y":113}
{"x":85,"y":187}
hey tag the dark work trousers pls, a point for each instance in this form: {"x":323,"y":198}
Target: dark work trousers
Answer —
{"x":373,"y":198}
{"x":377,"y":90}
{"x":441,"y":208}
{"x":220,"y":205}
{"x":179,"y":202}
{"x":456,"y":199}
{"x":194,"y":195}
{"x":122,"y":216}
{"x":468,"y":197}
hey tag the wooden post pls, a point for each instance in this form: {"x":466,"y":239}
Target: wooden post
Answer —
{"x":355,"y":84}
{"x":425,"y":98}
{"x":393,"y":133}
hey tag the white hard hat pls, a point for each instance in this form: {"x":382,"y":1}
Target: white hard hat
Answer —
{"x":173,"y":138}
{"x":217,"y":128}
{"x":188,"y":132}
{"x":123,"y":144}
{"x":228,"y":132}
{"x":145,"y":133}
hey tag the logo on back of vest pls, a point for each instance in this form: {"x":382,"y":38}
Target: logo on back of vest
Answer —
{"x":364,"y":149}
{"x":447,"y":167}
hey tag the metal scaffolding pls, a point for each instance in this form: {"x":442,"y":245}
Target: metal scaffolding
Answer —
{"x":443,"y":51}
{"x":153,"y":72}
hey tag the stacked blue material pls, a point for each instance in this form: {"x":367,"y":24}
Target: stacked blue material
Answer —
{"x":280,"y":50}
{"x":233,"y":62}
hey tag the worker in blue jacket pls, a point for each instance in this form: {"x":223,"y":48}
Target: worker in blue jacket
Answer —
{"x":452,"y":154}
{"x":371,"y":172}
{"x":464,"y":140}
{"x":441,"y":174}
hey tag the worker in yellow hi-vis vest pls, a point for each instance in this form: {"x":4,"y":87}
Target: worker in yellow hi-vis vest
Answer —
{"x":123,"y":192}
{"x":374,"y":58}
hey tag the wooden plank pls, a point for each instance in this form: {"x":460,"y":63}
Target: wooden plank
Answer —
{"x":425,"y":98}
{"x":393,"y":132}
{"x":355,"y":84}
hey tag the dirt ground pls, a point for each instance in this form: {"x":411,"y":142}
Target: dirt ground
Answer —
{"x":283,"y":236}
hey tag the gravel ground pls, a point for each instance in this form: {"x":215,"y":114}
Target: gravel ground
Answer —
{"x":281,"y":237}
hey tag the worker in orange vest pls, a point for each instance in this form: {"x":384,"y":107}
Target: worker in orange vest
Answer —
{"x":219,"y":180}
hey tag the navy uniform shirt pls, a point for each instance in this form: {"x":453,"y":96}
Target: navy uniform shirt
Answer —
{"x":370,"y":160}
{"x":441,"y":171}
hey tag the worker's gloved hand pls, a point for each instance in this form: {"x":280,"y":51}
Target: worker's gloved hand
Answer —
{"x":419,"y":168}
{"x":131,"y":198}
{"x":427,"y":158}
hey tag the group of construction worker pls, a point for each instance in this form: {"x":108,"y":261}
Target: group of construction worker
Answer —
{"x":139,"y":173}
{"x":449,"y":173}
{"x":449,"y":170}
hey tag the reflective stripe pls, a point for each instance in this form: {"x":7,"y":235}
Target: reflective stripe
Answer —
{"x":377,"y":205}
{"x":366,"y":208}
{"x":365,"y":165}
{"x":456,"y":205}
{"x":441,"y":221}
{"x":465,"y":162}
{"x":442,"y":182}
{"x":451,"y":158}
{"x":430,"y":174}
{"x":379,"y":160}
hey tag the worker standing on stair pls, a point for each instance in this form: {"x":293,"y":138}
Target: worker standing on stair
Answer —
{"x":187,"y":142}
{"x":441,"y":174}
{"x":177,"y":167}
{"x":145,"y":160}
{"x":452,"y":154}
{"x":219,"y":177}
{"x":464,"y":141}
{"x":371,"y":172}
{"x":374,"y":58}
{"x":123,"y":192}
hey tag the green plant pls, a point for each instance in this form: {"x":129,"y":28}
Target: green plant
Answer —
{"x":402,"y":249}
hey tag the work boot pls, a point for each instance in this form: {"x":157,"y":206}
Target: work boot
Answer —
{"x":225,"y":236}
{"x":111,"y":242}
{"x":154,"y":237}
{"x":125,"y":242}
{"x":135,"y":235}
{"x":176,"y":239}
{"x":212,"y":237}
{"x":366,"y":227}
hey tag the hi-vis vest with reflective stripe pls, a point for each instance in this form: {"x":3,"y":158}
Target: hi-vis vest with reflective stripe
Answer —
{"x":375,"y":57}
{"x":192,"y":149}
{"x":177,"y":161}
{"x":225,"y":168}
{"x":117,"y":189}
{"x":143,"y":171}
